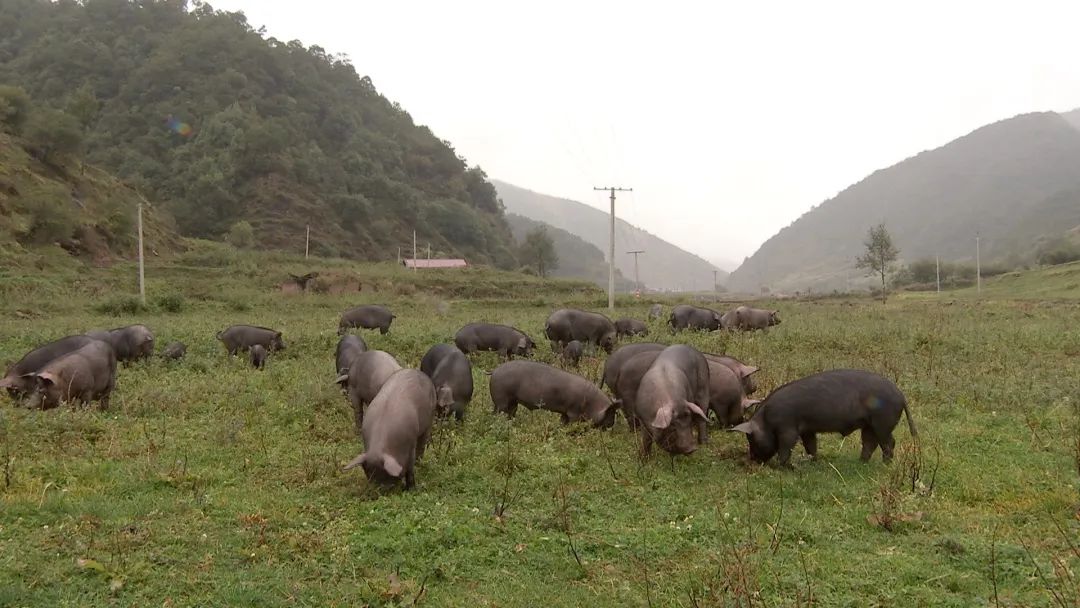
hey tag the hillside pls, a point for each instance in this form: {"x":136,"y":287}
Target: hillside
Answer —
{"x":48,"y":211}
{"x":219,"y":124}
{"x":663,"y":265}
{"x":577,"y":258}
{"x":1014,"y":181}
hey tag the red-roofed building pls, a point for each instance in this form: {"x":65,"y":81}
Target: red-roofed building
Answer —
{"x":434,"y":263}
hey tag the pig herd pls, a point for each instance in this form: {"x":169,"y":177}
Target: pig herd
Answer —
{"x":669,"y":394}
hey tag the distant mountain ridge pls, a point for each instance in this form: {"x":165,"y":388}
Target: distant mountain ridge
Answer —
{"x":578,"y":259}
{"x":1014,"y":182}
{"x":663,"y":266}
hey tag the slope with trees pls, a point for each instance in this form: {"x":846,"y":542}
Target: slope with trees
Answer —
{"x":577,"y":258}
{"x":1014,"y":182}
{"x":662,"y":266}
{"x":222,"y":124}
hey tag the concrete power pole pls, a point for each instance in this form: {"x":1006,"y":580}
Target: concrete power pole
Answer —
{"x":715,"y":285}
{"x":978,"y":267}
{"x":937,"y":272}
{"x":414,"y":250}
{"x":611,"y":246}
{"x":142,"y":268}
{"x":637,"y":281}
{"x":307,"y":241}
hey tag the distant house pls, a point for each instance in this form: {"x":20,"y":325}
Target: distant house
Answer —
{"x":434,"y":263}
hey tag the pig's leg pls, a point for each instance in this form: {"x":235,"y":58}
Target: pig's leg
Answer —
{"x":869,"y":444}
{"x":786,"y":440}
{"x":887,"y":443}
{"x":809,"y":442}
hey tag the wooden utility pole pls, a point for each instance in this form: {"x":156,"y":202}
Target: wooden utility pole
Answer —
{"x":637,"y":281}
{"x":142,"y":268}
{"x":978,"y":267}
{"x":937,"y":272}
{"x":429,"y":252}
{"x":414,"y":250}
{"x":307,"y":241}
{"x":611,"y":246}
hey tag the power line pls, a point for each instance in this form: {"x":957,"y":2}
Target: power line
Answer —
{"x":611,"y":245}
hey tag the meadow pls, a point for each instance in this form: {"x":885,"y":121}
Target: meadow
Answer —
{"x":209,"y":483}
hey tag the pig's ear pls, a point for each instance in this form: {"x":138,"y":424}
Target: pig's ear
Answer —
{"x":45,"y":378}
{"x":749,"y":403}
{"x":391,"y":466}
{"x":746,"y":427}
{"x":342,"y":379}
{"x":695,"y":410}
{"x":749,"y":369}
{"x":359,"y":460}
{"x":663,"y":417}
{"x":523,"y":343}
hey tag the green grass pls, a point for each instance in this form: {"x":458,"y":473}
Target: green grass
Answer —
{"x":210,"y":484}
{"x":1060,"y":282}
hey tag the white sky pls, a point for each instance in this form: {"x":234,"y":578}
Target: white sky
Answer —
{"x":729,"y":119}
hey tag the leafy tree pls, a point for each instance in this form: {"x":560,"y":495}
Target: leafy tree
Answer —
{"x":14,"y":109}
{"x":539,"y":251}
{"x":55,"y":136}
{"x":880,"y":254}
{"x":242,"y":235}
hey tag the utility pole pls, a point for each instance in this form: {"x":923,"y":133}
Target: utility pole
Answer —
{"x":637,"y":281}
{"x":715,"y":287}
{"x":414,"y":250}
{"x":142,"y":268}
{"x":611,"y":246}
{"x":937,"y":271}
{"x":429,"y":252}
{"x":307,"y":242}
{"x":978,"y":267}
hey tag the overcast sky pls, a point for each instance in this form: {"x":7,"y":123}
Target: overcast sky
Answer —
{"x":729,"y":119}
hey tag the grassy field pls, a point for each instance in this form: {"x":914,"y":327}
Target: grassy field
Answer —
{"x":211,"y":484}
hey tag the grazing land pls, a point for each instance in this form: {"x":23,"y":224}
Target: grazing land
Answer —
{"x":209,"y":483}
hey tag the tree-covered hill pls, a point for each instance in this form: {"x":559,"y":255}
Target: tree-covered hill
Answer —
{"x":220,"y":124}
{"x":578,"y":259}
{"x":1014,"y":182}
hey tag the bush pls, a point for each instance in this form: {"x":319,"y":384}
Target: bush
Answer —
{"x":121,"y":305}
{"x":172,"y":302}
{"x":241,"y":235}
{"x":14,"y":109}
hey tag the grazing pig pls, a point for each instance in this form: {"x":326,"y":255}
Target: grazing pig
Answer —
{"x":503,"y":339}
{"x":727,"y":397}
{"x":397,"y":428}
{"x":258,"y":356}
{"x":629,"y":378}
{"x":174,"y":351}
{"x":83,"y":375}
{"x":571,"y":353}
{"x":347,"y":349}
{"x":671,"y":401}
{"x":835,"y":401}
{"x":630,"y":327}
{"x":623,"y":354}
{"x":749,"y":319}
{"x":743,"y":371}
{"x":18,"y":379}
{"x":451,"y":372}
{"x":730,"y":320}
{"x":241,"y":337}
{"x":369,"y":316}
{"x":685,"y":316}
{"x":537,"y":385}
{"x":568,"y":324}
{"x":129,"y":343}
{"x":655,"y":311}
{"x":367,"y":373}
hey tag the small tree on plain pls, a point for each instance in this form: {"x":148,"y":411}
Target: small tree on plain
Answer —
{"x":880,"y":254}
{"x":538,"y":250}
{"x":241,"y":235}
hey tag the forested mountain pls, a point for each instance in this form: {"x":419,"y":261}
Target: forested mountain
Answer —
{"x":662,"y":266}
{"x":578,"y":259}
{"x":1015,"y":182}
{"x":220,"y":123}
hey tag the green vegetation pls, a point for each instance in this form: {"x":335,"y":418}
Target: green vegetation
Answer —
{"x":209,"y":483}
{"x":538,"y":250}
{"x":663,"y":266}
{"x":1014,"y":182}
{"x":880,"y":255}
{"x":219,"y":124}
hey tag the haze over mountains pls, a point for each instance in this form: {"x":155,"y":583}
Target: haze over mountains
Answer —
{"x":662,"y":266}
{"x":1016,"y":182}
